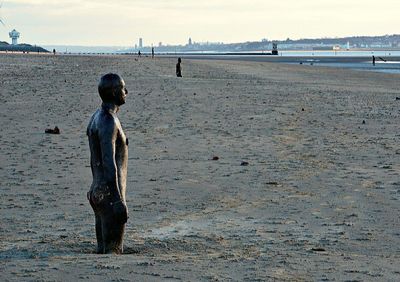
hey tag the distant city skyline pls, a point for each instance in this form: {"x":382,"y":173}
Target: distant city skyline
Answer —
{"x":123,"y":22}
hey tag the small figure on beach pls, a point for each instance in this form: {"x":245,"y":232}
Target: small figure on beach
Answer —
{"x":109,"y":160}
{"x":152,"y":52}
{"x":54,"y":51}
{"x":179,"y":68}
{"x":139,"y":54}
{"x":373,"y":60}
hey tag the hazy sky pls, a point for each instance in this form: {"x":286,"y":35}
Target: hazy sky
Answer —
{"x":122,"y":22}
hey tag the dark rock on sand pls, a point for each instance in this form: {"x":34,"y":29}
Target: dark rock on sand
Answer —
{"x":56,"y":130}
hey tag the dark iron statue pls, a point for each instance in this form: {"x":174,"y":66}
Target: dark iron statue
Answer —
{"x":109,"y":159}
{"x":179,"y":68}
{"x":274,"y":49}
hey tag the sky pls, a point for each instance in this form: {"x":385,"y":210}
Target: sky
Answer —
{"x":123,"y":22}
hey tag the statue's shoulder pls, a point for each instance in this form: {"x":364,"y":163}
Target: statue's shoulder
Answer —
{"x":107,"y":123}
{"x":107,"y":118}
{"x":100,"y":121}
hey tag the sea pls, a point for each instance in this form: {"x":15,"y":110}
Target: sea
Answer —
{"x":342,"y":53}
{"x":387,"y":61}
{"x":385,"y":67}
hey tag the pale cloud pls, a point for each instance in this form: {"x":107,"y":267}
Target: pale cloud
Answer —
{"x":122,"y":22}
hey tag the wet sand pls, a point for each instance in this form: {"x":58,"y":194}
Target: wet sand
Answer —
{"x":318,"y":199}
{"x":387,"y":64}
{"x":287,"y":58}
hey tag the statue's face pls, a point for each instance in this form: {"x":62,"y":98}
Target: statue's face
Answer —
{"x":120,"y":93}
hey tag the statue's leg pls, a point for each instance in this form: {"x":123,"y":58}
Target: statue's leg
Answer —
{"x":98,"y":218}
{"x":113,"y":234}
{"x":99,"y":235}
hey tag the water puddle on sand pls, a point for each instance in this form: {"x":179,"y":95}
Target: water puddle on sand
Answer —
{"x":178,"y":229}
{"x":200,"y":226}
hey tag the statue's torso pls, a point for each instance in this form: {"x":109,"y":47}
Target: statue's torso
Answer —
{"x":121,"y":151}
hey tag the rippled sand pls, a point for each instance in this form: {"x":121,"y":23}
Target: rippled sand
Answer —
{"x":318,"y":199}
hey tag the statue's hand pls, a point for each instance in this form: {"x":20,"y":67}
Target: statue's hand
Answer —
{"x":120,"y":211}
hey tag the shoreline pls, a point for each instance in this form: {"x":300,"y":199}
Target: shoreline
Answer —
{"x":392,"y":65}
{"x":359,"y":63}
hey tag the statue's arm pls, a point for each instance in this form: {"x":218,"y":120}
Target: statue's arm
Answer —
{"x":108,"y":135}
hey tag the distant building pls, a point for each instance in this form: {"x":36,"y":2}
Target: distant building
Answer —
{"x":159,"y":44}
{"x":190,"y":41}
{"x":140,"y":43}
{"x":14,"y":35}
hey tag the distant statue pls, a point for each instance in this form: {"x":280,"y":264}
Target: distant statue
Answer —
{"x":179,"y":68}
{"x":274,"y":49}
{"x":152,"y":52}
{"x":108,"y":160}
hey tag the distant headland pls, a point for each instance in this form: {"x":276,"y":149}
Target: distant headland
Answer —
{"x":6,"y":47}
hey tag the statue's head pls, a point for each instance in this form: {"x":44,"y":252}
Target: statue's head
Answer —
{"x":112,"y":89}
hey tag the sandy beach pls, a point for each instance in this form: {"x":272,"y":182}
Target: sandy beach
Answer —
{"x":305,"y":185}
